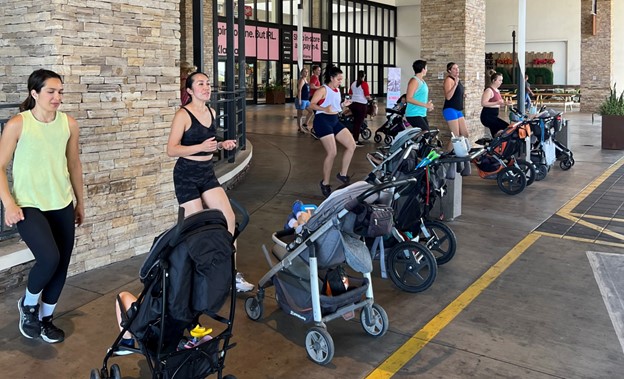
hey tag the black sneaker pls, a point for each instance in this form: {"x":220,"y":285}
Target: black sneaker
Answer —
{"x":29,"y":323}
{"x":325,"y":189}
{"x":49,"y":332}
{"x":313,"y":133}
{"x":343,"y":178}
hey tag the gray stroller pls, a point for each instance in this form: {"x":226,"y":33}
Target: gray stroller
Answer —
{"x":300,"y":259}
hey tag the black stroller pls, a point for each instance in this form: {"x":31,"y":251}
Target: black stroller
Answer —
{"x":417,"y":243}
{"x":545,"y":148}
{"x":331,"y":238}
{"x":193,"y":257}
{"x":394,"y":123}
{"x":346,"y":118}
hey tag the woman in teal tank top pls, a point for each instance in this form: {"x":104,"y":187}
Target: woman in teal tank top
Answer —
{"x":47,"y":175}
{"x":417,"y":97}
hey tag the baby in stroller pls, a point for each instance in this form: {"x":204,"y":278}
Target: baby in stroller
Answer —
{"x":189,"y":272}
{"x":330,"y":239}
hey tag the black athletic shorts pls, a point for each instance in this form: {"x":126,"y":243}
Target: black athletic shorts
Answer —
{"x":192,"y":178}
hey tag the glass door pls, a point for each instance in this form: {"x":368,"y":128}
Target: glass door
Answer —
{"x":250,"y":81}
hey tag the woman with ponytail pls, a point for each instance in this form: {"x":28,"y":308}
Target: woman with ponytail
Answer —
{"x":193,"y":140}
{"x":327,"y":104}
{"x":47,"y":177}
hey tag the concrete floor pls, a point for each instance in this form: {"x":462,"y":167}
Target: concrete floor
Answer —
{"x":517,"y":300}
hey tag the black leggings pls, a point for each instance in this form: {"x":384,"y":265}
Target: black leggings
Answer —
{"x":489,"y":119}
{"x":50,"y":237}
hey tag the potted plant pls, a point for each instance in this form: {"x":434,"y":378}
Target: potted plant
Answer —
{"x":612,"y":111}
{"x":275,"y":94}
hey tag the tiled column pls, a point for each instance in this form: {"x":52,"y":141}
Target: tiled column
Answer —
{"x":596,"y":54}
{"x":454,"y":30}
{"x":118,"y":61}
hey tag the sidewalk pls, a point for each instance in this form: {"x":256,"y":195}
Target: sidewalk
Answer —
{"x":538,"y":312}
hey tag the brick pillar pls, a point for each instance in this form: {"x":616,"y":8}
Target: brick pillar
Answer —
{"x":596,"y":55}
{"x":186,"y":33}
{"x":454,"y":30}
{"x":118,"y":61}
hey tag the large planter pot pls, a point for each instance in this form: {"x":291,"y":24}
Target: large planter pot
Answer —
{"x":613,"y":132}
{"x":276,"y":97}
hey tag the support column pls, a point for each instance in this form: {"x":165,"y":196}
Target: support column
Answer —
{"x":596,"y":54}
{"x":454,"y":31}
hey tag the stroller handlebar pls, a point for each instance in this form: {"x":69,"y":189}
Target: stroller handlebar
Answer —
{"x":384,"y":186}
{"x":245,"y":219}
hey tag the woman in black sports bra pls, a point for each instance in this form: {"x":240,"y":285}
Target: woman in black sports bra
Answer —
{"x":193,"y":140}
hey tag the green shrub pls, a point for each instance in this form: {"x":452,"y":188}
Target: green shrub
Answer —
{"x":613,"y":104}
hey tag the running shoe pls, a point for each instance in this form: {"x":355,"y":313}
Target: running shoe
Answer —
{"x":325,"y":189}
{"x":241,"y":284}
{"x":29,"y":324}
{"x":49,"y":332}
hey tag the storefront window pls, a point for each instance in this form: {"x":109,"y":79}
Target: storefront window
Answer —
{"x":221,"y":7}
{"x":335,"y":10}
{"x":273,"y":9}
{"x":307,"y":7}
{"x":287,"y":12}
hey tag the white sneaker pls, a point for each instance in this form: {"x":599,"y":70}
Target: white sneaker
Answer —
{"x":241,"y":284}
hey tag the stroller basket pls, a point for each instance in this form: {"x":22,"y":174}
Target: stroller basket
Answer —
{"x":295,"y":298}
{"x":195,"y":363}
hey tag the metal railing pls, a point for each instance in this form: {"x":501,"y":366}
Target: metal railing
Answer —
{"x":5,"y":111}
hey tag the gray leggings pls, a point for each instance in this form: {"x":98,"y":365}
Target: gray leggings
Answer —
{"x":50,"y":237}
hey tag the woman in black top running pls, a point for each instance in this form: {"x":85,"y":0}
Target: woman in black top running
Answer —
{"x":193,"y":140}
{"x":454,"y":101}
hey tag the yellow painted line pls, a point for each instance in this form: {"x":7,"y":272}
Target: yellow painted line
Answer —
{"x":593,"y":227}
{"x":580,"y":239}
{"x":591,"y":217}
{"x":569,"y":207}
{"x":412,"y":346}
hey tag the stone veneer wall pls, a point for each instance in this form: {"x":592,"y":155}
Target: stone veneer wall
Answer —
{"x":454,"y":31}
{"x":118,"y":60}
{"x":186,"y":37}
{"x":596,"y":55}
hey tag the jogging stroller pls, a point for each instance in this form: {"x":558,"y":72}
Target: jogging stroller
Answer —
{"x":394,"y":124}
{"x":545,"y":149}
{"x":193,"y":257}
{"x":499,"y":159}
{"x":346,"y":118}
{"x":330,"y":238}
{"x":430,"y":241}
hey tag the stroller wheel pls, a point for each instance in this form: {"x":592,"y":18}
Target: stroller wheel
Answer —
{"x":511,"y":180}
{"x":541,"y":172}
{"x":441,"y":241}
{"x":319,"y":345}
{"x":412,"y":267}
{"x":388,"y":140}
{"x":115,"y":372}
{"x":254,"y":308}
{"x":374,"y":321}
{"x":95,"y":374}
{"x":529,"y":170}
{"x":377,"y":138}
{"x":365,"y":133}
{"x":566,"y":164}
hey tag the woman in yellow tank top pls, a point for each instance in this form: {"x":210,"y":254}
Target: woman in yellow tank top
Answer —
{"x":47,"y":176}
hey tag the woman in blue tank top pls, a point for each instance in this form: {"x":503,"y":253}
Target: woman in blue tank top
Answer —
{"x":417,"y":96}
